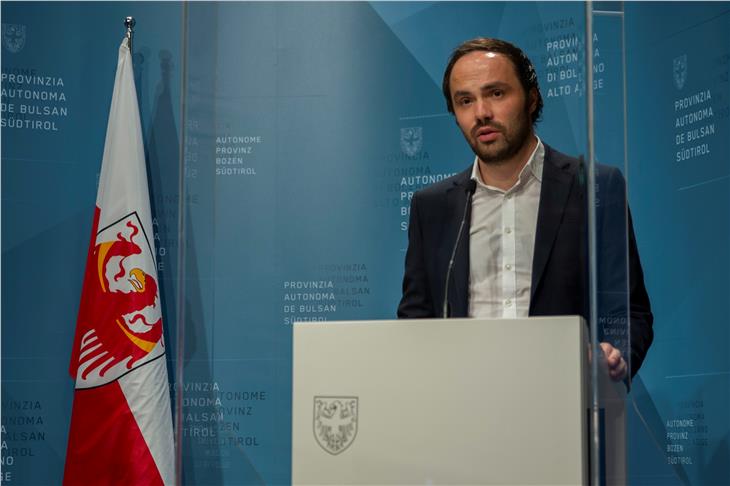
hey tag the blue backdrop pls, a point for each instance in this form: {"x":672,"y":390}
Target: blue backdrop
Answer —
{"x":284,"y":141}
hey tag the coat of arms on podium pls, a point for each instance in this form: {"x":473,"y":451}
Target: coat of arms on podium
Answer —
{"x":335,"y":422}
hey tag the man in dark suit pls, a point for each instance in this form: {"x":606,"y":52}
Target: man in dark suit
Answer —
{"x":524,"y":247}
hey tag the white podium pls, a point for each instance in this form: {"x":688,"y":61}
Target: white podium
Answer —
{"x":457,"y":401}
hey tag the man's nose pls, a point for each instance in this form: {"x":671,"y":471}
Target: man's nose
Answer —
{"x":483,"y":110}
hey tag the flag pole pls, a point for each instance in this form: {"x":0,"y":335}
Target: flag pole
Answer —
{"x":129,"y":23}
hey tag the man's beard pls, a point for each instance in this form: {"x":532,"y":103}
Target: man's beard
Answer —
{"x":505,"y":148}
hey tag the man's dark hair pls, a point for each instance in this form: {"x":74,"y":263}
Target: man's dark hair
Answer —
{"x":524,"y":68}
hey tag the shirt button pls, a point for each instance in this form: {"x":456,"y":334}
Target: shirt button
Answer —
{"x":508,"y":231}
{"x":508,"y":267}
{"x":508,"y":302}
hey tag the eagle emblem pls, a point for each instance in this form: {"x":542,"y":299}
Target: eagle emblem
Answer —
{"x":120,"y":319}
{"x":335,"y":422}
{"x":411,"y":140}
{"x":679,"y":69}
{"x":13,"y":37}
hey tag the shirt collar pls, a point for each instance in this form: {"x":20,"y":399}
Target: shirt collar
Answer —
{"x":533,"y":166}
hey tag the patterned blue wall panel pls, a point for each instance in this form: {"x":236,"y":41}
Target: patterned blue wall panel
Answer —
{"x":307,"y":127}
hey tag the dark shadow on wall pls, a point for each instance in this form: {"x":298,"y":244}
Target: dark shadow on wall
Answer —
{"x":142,"y":80}
{"x":162,"y":155}
{"x":201,"y":454}
{"x":163,"y":163}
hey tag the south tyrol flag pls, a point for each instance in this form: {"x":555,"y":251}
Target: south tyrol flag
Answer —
{"x":121,"y":423}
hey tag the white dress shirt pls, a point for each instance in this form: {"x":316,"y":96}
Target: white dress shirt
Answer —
{"x":502,"y":240}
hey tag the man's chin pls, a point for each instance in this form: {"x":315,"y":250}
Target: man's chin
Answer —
{"x":494,"y":157}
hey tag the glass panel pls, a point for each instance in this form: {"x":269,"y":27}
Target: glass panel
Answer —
{"x":679,"y":187}
{"x":308,"y":127}
{"x":227,"y":378}
{"x":671,"y":132}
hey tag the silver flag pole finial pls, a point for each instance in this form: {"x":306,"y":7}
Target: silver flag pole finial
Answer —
{"x":129,"y":24}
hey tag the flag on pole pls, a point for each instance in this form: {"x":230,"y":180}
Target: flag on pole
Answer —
{"x":121,"y":423}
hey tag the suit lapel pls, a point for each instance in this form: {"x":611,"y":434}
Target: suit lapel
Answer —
{"x":557,"y":181}
{"x":459,"y":286}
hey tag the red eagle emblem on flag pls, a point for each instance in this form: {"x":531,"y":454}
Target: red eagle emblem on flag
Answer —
{"x":120,"y":323}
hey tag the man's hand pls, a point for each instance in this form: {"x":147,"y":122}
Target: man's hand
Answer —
{"x":617,"y":367}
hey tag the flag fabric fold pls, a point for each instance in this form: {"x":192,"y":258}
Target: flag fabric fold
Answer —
{"x":121,"y":423}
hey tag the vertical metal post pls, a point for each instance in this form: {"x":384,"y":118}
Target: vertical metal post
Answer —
{"x":592,"y":277}
{"x":626,"y":201}
{"x":181,"y":255}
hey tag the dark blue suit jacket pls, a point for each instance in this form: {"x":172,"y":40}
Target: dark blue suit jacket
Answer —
{"x":560,"y":259}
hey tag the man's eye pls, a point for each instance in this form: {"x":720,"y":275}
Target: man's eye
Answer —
{"x":497,"y":93}
{"x":464,"y":101}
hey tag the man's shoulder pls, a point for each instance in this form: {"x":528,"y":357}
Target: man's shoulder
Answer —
{"x":562,"y":161}
{"x":442,"y":187}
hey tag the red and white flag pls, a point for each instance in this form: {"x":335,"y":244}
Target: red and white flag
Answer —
{"x":121,"y":424}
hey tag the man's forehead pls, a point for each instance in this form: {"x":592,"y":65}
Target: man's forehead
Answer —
{"x":477,"y":64}
{"x":487,"y":54}
{"x":484,"y":57}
